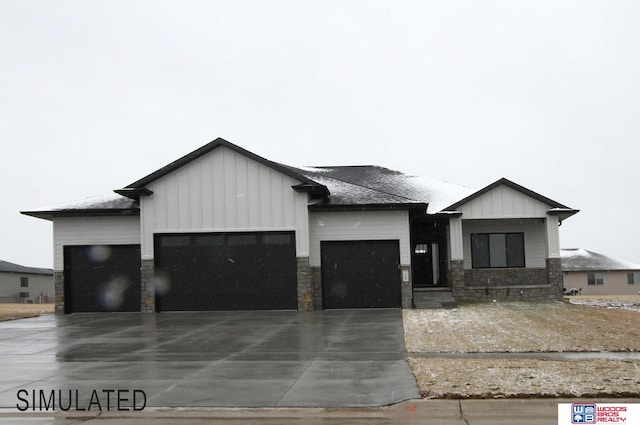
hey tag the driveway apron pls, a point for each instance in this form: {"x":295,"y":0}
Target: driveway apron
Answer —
{"x":332,"y":358}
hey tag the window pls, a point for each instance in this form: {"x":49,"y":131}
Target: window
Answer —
{"x":24,"y":282}
{"x":634,"y":277}
{"x":495,"y":250}
{"x":595,"y":279}
{"x":421,"y":248}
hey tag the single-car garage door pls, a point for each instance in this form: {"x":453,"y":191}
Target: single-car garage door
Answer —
{"x":226,"y":271}
{"x":101,"y":278}
{"x":360,"y":274}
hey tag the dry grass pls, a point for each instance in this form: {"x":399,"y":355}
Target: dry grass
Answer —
{"x":21,"y":311}
{"x":507,"y":378}
{"x":523,"y":327}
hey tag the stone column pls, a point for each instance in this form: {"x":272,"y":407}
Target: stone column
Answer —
{"x":554,"y":276}
{"x":305,"y":284}
{"x":58,"y":282}
{"x":406,"y":286}
{"x":147,"y":288}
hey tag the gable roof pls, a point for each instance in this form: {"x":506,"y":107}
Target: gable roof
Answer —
{"x":579,"y":259}
{"x":137,"y":188}
{"x":556,"y":208}
{"x":7,"y":267}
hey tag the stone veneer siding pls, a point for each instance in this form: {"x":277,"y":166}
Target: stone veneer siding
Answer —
{"x":147,"y":288}
{"x":506,"y":284}
{"x":305,"y":285}
{"x":58,"y":283}
{"x":316,"y":277}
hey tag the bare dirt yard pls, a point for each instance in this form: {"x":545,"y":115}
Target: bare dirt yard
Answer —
{"x":523,"y":328}
{"x":21,"y":311}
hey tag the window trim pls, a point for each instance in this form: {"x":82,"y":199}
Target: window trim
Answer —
{"x":507,"y":266}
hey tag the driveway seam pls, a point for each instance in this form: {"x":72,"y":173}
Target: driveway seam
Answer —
{"x":294,"y":383}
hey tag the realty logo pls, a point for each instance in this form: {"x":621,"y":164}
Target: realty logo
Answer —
{"x":583,"y":413}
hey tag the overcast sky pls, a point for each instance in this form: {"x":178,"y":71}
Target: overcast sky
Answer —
{"x":97,"y":94}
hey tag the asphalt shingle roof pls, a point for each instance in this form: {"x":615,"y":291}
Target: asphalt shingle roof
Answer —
{"x":579,"y":259}
{"x":7,"y":267}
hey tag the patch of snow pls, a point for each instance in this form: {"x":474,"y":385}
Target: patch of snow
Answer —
{"x":439,"y":194}
{"x":106,"y":201}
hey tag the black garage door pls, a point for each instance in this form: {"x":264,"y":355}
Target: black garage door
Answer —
{"x":226,"y":271}
{"x":101,"y":278}
{"x":359,"y":274}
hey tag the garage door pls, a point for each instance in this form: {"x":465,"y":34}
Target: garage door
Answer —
{"x":226,"y":271}
{"x":101,"y":278}
{"x":359,"y":274}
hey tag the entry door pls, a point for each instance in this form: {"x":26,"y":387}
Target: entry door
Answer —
{"x":426,"y":264}
{"x":361,"y":274}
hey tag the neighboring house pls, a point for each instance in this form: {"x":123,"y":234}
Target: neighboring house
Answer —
{"x":597,"y":274}
{"x":28,"y":285}
{"x":224,"y":229}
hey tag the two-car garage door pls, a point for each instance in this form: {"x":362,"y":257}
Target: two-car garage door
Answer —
{"x":226,"y":271}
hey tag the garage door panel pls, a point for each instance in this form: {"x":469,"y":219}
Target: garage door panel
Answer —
{"x":100,"y":278}
{"x":232,"y":271}
{"x":360,"y":274}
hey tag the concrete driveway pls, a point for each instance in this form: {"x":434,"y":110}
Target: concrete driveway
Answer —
{"x":331,"y":358}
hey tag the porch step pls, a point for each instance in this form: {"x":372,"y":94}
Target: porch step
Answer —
{"x":432,"y":298}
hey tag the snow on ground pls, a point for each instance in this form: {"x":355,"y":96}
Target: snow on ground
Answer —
{"x":523,"y":327}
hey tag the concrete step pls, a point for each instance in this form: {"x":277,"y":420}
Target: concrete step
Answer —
{"x":430,"y":298}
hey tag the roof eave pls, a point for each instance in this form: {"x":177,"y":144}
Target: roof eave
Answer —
{"x":50,"y":215}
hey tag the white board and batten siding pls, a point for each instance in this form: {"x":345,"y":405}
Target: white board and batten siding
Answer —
{"x":359,"y":225}
{"x":224,"y":191}
{"x":503,"y":202}
{"x":109,"y":230}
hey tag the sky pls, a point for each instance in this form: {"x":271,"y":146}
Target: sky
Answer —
{"x":97,"y":94}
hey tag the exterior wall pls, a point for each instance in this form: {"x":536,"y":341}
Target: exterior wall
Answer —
{"x":503,"y":210}
{"x":360,"y":225}
{"x":503,"y":202}
{"x":615,"y":283}
{"x":534,"y":237}
{"x":41,"y":288}
{"x":112,"y":230}
{"x":224,"y":191}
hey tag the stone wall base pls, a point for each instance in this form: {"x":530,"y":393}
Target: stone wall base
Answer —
{"x":472,"y":285}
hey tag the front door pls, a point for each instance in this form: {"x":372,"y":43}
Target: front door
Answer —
{"x":428,"y":253}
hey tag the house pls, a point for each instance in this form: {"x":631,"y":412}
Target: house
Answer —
{"x":225,"y":229}
{"x":27,"y":285}
{"x":596,"y":274}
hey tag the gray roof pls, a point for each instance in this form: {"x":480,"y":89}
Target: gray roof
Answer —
{"x":578,"y":259}
{"x":7,"y":267}
{"x":109,"y":204}
{"x":373,"y":185}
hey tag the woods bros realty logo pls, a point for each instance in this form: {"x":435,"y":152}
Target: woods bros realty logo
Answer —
{"x":592,"y":413}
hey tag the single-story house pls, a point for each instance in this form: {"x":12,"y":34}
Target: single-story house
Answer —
{"x":225,"y":229}
{"x":593,"y":273}
{"x":27,"y":285}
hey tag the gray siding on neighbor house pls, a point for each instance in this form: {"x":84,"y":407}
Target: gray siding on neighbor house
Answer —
{"x":221,"y":191}
{"x":615,"y":283}
{"x":40,"y":288}
{"x":110,"y":230}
